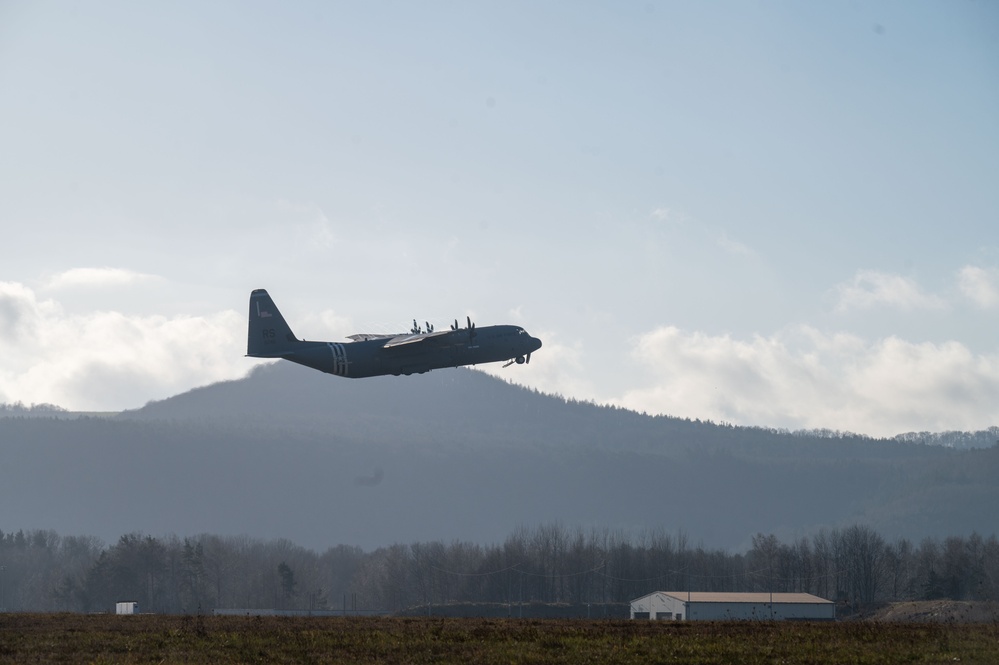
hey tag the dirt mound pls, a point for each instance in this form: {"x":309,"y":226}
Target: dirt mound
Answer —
{"x":939,"y":611}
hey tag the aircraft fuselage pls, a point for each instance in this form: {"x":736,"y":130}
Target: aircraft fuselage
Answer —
{"x":270,"y":337}
{"x":370,"y":358}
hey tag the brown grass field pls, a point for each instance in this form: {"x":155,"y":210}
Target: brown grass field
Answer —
{"x":75,"y":638}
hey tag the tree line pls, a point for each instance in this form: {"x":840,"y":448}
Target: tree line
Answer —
{"x":550,"y":563}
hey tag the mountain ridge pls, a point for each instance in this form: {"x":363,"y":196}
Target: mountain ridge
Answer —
{"x":290,"y":453}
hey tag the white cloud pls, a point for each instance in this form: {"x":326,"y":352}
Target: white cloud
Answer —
{"x":869,"y":289}
{"x":97,"y":277}
{"x":109,"y":360}
{"x":798,"y":378}
{"x":980,"y":286}
{"x":19,"y":314}
{"x":807,"y":379}
{"x":333,"y":325}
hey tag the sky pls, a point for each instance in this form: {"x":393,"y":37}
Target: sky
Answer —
{"x":778,"y":214}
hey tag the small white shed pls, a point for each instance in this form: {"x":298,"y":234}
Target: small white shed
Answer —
{"x":128,"y":607}
{"x":712,"y":606}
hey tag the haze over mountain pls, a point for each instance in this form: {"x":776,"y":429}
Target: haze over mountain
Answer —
{"x":458,"y":454}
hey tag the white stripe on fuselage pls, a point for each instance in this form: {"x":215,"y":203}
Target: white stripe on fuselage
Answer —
{"x":340,"y":363}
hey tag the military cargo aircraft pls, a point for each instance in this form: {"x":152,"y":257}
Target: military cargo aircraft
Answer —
{"x":420,"y":350}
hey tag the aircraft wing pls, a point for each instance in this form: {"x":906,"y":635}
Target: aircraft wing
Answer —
{"x":364,"y":337}
{"x":403,"y":340}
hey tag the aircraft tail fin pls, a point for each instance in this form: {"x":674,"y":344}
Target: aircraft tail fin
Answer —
{"x":268,"y":335}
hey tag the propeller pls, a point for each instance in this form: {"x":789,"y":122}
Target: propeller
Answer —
{"x":471,"y":327}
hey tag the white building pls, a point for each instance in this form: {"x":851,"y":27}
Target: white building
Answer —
{"x":126,"y":608}
{"x":710,"y":606}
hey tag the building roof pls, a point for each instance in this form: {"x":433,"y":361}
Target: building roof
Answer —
{"x":722,"y":597}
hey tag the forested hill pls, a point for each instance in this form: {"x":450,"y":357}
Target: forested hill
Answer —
{"x":457,"y":454}
{"x":471,"y":409}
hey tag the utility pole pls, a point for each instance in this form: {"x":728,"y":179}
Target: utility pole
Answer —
{"x":771,"y":591}
{"x":521,"y":603}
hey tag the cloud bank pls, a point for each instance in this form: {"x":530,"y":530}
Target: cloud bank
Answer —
{"x":806,"y":379}
{"x":797,"y":378}
{"x":97,"y":277}
{"x":108,"y":361}
{"x":981,"y":286}
{"x":869,"y":289}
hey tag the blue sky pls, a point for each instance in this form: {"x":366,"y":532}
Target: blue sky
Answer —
{"x":776,"y":214}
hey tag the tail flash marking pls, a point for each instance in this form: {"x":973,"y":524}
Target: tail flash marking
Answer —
{"x":268,"y":334}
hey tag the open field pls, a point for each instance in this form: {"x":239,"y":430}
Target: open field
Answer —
{"x":939,"y":611}
{"x":64,"y":638}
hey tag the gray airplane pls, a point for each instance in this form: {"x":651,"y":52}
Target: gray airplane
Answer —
{"x":420,"y":350}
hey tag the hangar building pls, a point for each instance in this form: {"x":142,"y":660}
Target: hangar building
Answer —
{"x":711,"y":606}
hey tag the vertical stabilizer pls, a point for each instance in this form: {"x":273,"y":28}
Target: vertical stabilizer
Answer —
{"x":268,"y":336}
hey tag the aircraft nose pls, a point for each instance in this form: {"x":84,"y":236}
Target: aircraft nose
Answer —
{"x":535,"y":344}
